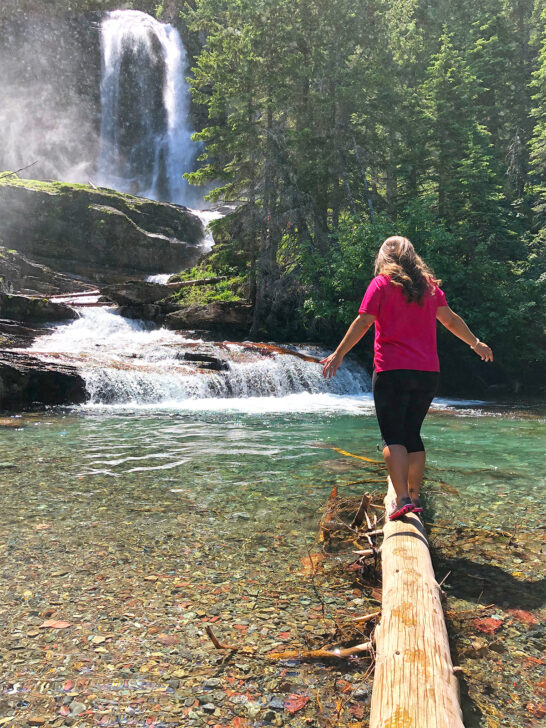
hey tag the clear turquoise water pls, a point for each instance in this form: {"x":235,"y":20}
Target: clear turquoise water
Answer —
{"x":495,"y":462}
{"x":219,"y":508}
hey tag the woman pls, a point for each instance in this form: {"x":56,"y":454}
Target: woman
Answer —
{"x":403,"y":300}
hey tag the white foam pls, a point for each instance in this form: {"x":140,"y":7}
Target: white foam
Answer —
{"x":299,"y":403}
{"x":129,"y":363}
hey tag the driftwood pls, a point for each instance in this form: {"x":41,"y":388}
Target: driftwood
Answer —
{"x":76,"y":294}
{"x":196,"y":282}
{"x":81,"y":304}
{"x":415,"y":683}
{"x":16,"y":171}
{"x":318,"y":654}
{"x":263,"y":348}
{"x":322,"y":653}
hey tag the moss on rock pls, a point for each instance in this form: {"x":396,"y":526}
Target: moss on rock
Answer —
{"x":97,"y":233}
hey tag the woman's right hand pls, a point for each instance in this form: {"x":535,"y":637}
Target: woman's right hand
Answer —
{"x":483,"y":351}
{"x":331,"y":365}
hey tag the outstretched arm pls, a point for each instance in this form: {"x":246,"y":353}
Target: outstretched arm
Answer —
{"x":458,"y":327}
{"x":354,"y":333}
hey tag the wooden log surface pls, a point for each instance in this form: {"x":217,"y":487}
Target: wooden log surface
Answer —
{"x":197,"y":282}
{"x":76,"y":294}
{"x":414,"y":683}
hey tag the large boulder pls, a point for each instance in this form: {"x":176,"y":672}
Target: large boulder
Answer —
{"x":96,"y":233}
{"x":136,"y":292}
{"x":33,"y":310}
{"x":26,"y":380}
{"x":221,"y":317}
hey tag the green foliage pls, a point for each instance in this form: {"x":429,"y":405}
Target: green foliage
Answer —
{"x":497,"y":298}
{"x":232,"y":289}
{"x":335,"y":123}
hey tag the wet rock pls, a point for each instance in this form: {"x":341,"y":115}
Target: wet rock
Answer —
{"x":97,"y":233}
{"x":76,"y":708}
{"x":212,"y":682}
{"x":224,"y":317}
{"x":205,"y":361}
{"x":14,"y":334}
{"x":20,"y":274}
{"x":136,"y":292}
{"x":26,"y":380}
{"x":33,"y":310}
{"x":362,"y":693}
{"x":147,"y":311}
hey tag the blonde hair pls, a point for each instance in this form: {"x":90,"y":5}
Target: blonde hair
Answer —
{"x":398,"y":260}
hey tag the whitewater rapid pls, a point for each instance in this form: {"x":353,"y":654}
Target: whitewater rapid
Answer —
{"x":128,"y":363}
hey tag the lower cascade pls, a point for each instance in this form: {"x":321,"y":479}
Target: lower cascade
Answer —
{"x":126,"y":362}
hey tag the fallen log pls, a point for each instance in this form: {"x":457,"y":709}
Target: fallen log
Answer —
{"x":266,"y":349}
{"x":414,"y":683}
{"x":197,"y":282}
{"x":76,"y":294}
{"x":82,"y":304}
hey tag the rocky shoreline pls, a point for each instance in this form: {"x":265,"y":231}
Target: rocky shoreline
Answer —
{"x":60,"y":239}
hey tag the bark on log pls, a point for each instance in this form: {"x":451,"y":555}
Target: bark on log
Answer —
{"x":414,"y":684}
{"x":197,"y":282}
{"x":77,"y":294}
{"x":89,"y":304}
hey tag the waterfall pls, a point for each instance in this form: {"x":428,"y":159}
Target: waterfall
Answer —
{"x":128,"y":362}
{"x":145,"y":140}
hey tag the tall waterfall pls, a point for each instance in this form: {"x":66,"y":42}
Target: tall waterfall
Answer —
{"x":145,"y":141}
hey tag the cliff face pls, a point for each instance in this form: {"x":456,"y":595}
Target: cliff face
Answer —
{"x":98,"y":234}
{"x":54,"y":8}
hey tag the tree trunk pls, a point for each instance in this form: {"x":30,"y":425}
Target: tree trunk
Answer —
{"x":266,"y":269}
{"x":414,"y":682}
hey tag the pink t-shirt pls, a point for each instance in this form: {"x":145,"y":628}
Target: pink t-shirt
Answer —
{"x":405,"y":333}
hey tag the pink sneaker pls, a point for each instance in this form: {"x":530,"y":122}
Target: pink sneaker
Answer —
{"x":400,"y":508}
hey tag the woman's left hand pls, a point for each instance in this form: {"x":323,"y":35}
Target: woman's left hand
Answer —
{"x":331,"y":365}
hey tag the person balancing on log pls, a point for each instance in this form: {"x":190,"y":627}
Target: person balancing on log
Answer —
{"x":403,"y":300}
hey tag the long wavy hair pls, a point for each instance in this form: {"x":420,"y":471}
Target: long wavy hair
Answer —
{"x":398,"y":260}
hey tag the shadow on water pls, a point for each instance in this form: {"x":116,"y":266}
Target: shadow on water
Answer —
{"x":477,"y":582}
{"x":490,"y":584}
{"x":472,"y":714}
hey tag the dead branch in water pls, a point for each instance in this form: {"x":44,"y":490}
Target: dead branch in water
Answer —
{"x":322,"y":653}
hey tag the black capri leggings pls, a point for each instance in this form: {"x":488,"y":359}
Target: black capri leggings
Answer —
{"x":402,"y":398}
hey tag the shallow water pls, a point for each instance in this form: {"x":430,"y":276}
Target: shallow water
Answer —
{"x":223,"y":498}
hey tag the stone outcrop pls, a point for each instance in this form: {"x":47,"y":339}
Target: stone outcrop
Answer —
{"x":18,"y":274}
{"x":18,"y":335}
{"x":33,"y":310}
{"x":99,"y":234}
{"x":132,"y":293}
{"x":25,"y":381}
{"x":221,"y":317}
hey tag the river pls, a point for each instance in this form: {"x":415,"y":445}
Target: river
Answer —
{"x":139,"y":525}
